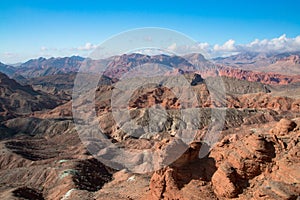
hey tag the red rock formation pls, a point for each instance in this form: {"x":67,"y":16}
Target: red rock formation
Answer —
{"x":283,"y":127}
{"x":251,"y":166}
{"x":262,"y":101}
{"x":262,"y":77}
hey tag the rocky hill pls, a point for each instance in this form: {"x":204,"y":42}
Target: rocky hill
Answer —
{"x":7,"y":69}
{"x":18,"y":100}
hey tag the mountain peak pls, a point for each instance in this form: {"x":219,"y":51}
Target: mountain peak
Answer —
{"x":195,"y":56}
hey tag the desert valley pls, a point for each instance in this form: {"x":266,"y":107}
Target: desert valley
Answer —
{"x":256,"y":155}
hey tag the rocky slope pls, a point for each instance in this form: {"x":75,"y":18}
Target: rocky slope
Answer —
{"x":17,"y":100}
{"x":7,"y":69}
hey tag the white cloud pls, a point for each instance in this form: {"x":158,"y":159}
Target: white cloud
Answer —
{"x":228,"y":46}
{"x":277,"y":45}
{"x":203,"y":48}
{"x":44,"y":48}
{"x":12,"y":58}
{"x":148,"y":39}
{"x":200,"y":47}
{"x":87,"y":47}
{"x":280,"y":44}
{"x":9,"y":54}
{"x":172,"y":47}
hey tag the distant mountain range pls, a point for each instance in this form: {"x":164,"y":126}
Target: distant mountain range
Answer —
{"x":43,"y":67}
{"x":268,"y":68}
{"x":283,"y":63}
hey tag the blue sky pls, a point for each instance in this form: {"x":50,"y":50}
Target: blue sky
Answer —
{"x":29,"y":27}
